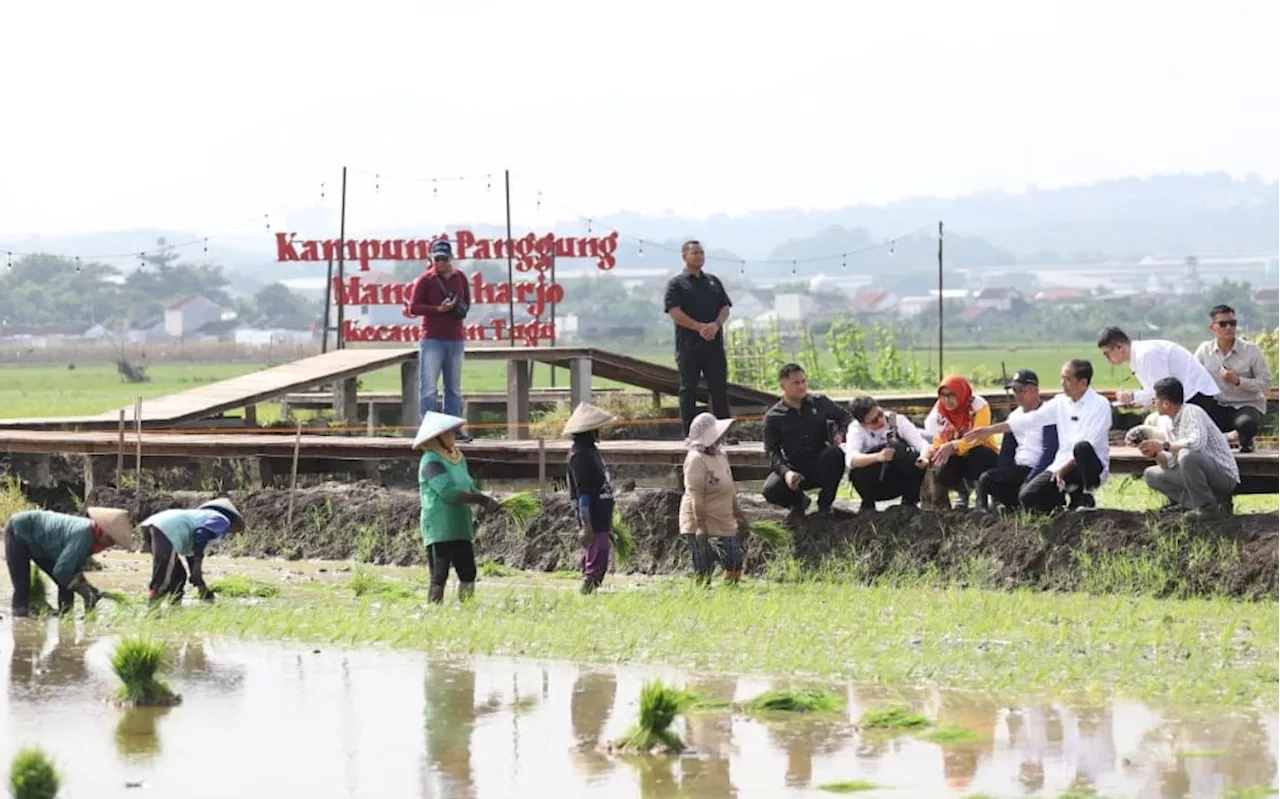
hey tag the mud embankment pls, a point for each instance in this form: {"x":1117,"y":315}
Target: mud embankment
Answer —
{"x":1235,"y":556}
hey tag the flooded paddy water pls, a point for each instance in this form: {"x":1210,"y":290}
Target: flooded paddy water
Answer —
{"x":267,"y":719}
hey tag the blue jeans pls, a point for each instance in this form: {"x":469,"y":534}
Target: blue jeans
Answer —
{"x":437,"y":358}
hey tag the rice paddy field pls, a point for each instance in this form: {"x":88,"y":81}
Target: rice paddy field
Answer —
{"x":97,"y":388}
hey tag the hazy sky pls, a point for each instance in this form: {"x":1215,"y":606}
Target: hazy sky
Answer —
{"x":206,"y":115}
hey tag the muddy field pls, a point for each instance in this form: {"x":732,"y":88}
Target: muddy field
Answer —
{"x":372,"y":524}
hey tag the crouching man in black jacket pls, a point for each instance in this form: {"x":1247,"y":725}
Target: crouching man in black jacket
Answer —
{"x":802,"y":435}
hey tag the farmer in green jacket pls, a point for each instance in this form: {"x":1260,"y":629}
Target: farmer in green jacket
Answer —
{"x":186,"y":533}
{"x":447,"y":492}
{"x":61,"y":545}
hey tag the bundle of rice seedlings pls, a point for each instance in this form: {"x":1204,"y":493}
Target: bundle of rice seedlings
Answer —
{"x":119,"y":597}
{"x":32,"y":775}
{"x":237,"y":585}
{"x":802,"y":700}
{"x":774,"y":534}
{"x":137,"y":662}
{"x":893,"y":718}
{"x":659,"y":706}
{"x":38,"y":596}
{"x":492,"y":568}
{"x":521,"y":508}
{"x":367,"y":582}
{"x":623,"y":539}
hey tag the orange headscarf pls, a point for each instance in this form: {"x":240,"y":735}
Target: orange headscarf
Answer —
{"x":961,"y":419}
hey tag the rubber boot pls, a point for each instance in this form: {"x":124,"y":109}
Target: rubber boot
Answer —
{"x":466,"y":591}
{"x":733,"y":577}
{"x":589,"y":585}
{"x":435,"y":593}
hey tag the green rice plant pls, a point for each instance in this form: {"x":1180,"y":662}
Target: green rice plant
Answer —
{"x":137,"y":662}
{"x":38,"y":596}
{"x":893,"y":718}
{"x":774,"y":534}
{"x":492,"y":568}
{"x":659,"y":706}
{"x":803,"y":700}
{"x":32,"y":775}
{"x":950,"y":735}
{"x":848,"y":786}
{"x":118,"y":597}
{"x":622,"y":538}
{"x":238,"y":585}
{"x":521,"y":508}
{"x":367,"y":582}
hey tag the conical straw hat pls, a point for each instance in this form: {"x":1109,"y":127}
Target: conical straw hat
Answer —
{"x":706,"y":429}
{"x":115,"y":525}
{"x":586,"y":417}
{"x":434,"y":424}
{"x":223,"y":505}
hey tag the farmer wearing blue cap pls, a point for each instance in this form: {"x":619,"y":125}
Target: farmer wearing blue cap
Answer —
{"x":442,"y":298}
{"x":186,"y":533}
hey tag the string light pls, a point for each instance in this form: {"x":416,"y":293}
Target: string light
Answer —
{"x":77,"y":263}
{"x":742,"y":271}
{"x":267,"y":219}
{"x":844,"y":262}
{"x":588,"y":226}
{"x":435,"y":189}
{"x":793,"y":267}
{"x":892,"y":243}
{"x":377,"y":183}
{"x":640,"y":249}
{"x":8,"y":256}
{"x":322,"y":191}
{"x":206,"y":246}
{"x":539,"y":207}
{"x":488,"y":183}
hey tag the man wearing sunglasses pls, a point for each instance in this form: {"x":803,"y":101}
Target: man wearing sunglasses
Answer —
{"x":1240,"y":371}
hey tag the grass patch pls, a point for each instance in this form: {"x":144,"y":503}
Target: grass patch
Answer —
{"x":240,"y":586}
{"x":795,"y":701}
{"x":659,"y":706}
{"x":521,"y":508}
{"x":32,"y":775}
{"x":950,"y":735}
{"x":774,"y":534}
{"x":1203,"y":753}
{"x":492,"y":568}
{"x":893,"y":718}
{"x":137,"y":662}
{"x":365,"y":582}
{"x":622,"y":538}
{"x":848,"y":786}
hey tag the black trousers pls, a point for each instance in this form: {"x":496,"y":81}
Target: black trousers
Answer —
{"x":19,"y":559}
{"x":461,"y":555}
{"x":707,"y":360}
{"x":823,"y":474}
{"x":968,"y":466}
{"x":1245,"y":421}
{"x":899,"y":477}
{"x":168,"y":578}
{"x":1041,"y":492}
{"x":1002,"y":484}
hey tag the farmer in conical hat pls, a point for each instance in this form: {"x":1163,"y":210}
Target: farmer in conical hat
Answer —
{"x":591,"y":491}
{"x":186,"y":533}
{"x":61,"y":545}
{"x":447,"y":491}
{"x":709,"y":506}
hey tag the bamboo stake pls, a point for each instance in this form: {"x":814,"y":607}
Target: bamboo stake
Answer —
{"x":293,"y":480}
{"x":120,"y":453}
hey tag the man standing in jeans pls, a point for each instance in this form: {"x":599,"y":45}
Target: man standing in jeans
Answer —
{"x":699,"y":305}
{"x":442,"y":298}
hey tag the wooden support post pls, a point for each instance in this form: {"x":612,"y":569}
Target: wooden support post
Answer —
{"x":345,"y":401}
{"x":518,"y":385}
{"x":542,"y":467}
{"x":579,"y":381}
{"x":120,"y":453}
{"x":293,"y":478}
{"x":251,"y":416}
{"x":97,"y":470}
{"x":657,"y":399}
{"x":410,"y":415}
{"x":137,"y":461}
{"x":371,"y":421}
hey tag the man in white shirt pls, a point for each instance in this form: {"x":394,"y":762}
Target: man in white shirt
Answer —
{"x":1194,"y":466}
{"x":1242,"y":375}
{"x":1083,"y":460}
{"x":1021,"y":457}
{"x":886,"y":454}
{"x":1155,"y":359}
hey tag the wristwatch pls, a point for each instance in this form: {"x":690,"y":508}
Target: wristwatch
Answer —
{"x":1166,"y":446}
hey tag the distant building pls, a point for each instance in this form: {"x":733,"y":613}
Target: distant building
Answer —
{"x":1269,"y":295}
{"x":874,"y":301}
{"x":1008,"y":300}
{"x":187,"y":316}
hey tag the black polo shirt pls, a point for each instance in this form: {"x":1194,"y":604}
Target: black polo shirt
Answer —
{"x":795,"y":437}
{"x":701,"y":297}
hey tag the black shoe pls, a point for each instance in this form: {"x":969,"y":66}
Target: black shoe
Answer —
{"x":798,"y":511}
{"x":1246,"y":447}
{"x":1082,"y":501}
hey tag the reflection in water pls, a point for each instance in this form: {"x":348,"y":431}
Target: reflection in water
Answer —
{"x":350,"y":724}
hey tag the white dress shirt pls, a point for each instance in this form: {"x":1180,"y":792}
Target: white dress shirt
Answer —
{"x":1157,"y":359}
{"x":1030,"y":443}
{"x":1088,"y":419}
{"x":859,"y":440}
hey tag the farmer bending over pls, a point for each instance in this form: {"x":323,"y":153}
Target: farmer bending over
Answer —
{"x":446,"y":489}
{"x":591,"y":491}
{"x":61,"y":545}
{"x":186,"y":533}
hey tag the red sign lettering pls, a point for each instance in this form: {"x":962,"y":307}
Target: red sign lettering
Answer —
{"x":528,"y":253}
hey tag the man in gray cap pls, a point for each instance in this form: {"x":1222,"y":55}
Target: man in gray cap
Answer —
{"x":442,"y":297}
{"x":1021,"y":457}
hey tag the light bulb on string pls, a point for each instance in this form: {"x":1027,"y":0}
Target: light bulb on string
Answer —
{"x":435,"y":189}
{"x":266,"y":218}
{"x":206,"y":245}
{"x":377,"y":183}
{"x":844,"y":262}
{"x":588,"y":226}
{"x":742,"y":269}
{"x":8,"y":257}
{"x":640,"y":249}
{"x":322,"y":191}
{"x":77,"y":263}
{"x":538,"y":208}
{"x":892,"y":244}
{"x":793,"y":267}
{"x":142,"y":259}
{"x":488,"y":183}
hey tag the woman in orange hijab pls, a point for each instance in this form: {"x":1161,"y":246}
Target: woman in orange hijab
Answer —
{"x":958,"y":410}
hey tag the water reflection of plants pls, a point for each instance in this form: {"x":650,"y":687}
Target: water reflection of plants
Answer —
{"x":136,"y":736}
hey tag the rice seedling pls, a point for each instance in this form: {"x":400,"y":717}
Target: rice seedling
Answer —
{"x":659,"y":706}
{"x":774,"y":534}
{"x":950,"y":735}
{"x":238,"y":586}
{"x":893,"y":718}
{"x":118,"y":597}
{"x":622,"y":538}
{"x":848,"y":786}
{"x":32,"y":775}
{"x":492,"y":568}
{"x":802,"y":700}
{"x":137,"y":662}
{"x":367,"y":582}
{"x":520,"y":508}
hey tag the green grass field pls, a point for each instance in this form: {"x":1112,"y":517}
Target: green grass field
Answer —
{"x":94,"y":389}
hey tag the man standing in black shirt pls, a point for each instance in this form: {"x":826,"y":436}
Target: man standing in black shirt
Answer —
{"x":699,"y":305}
{"x":804,"y":449}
